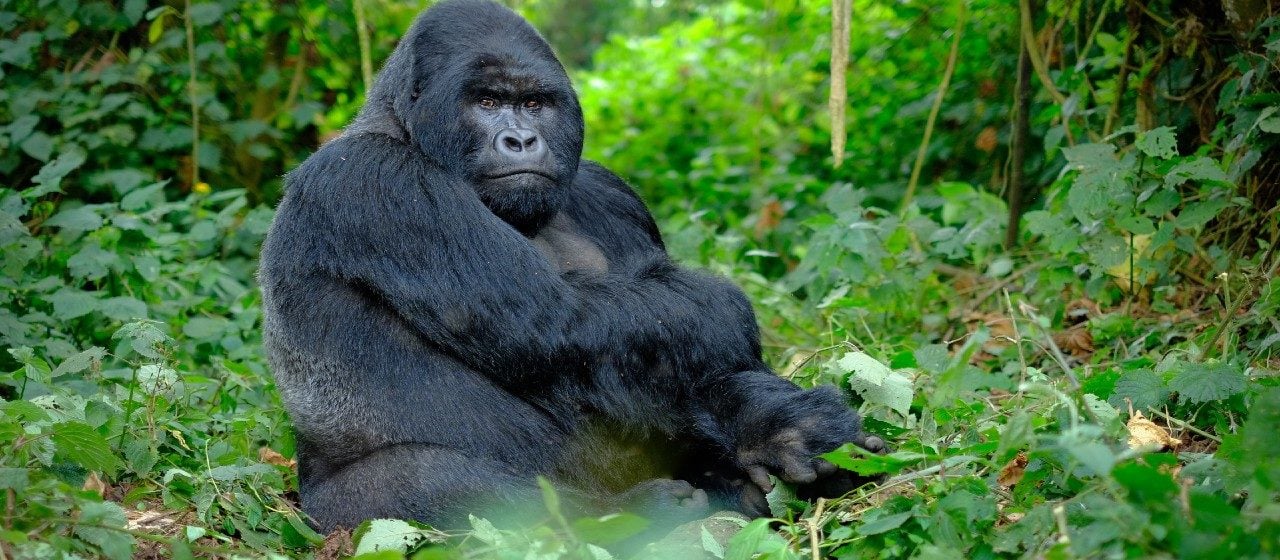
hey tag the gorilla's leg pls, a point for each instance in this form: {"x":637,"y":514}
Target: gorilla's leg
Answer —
{"x":432,"y":484}
{"x":442,"y":486}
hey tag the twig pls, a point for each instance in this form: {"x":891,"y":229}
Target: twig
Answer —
{"x":937,"y":106}
{"x":814,"y":523}
{"x":841,"y":12}
{"x":1183,"y":424}
{"x":191,"y":90}
{"x":1037,"y":58}
{"x":1018,"y":147}
{"x":362,"y":33}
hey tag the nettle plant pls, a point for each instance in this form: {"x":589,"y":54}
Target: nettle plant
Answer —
{"x":1129,"y":217}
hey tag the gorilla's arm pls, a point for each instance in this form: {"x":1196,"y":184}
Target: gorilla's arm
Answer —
{"x":422,"y":244}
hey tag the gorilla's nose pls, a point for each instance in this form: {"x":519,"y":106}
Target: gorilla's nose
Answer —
{"x":520,"y":144}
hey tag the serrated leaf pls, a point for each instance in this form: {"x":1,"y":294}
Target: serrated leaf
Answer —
{"x":1160,"y":142}
{"x":39,"y":145}
{"x":205,"y":13}
{"x":96,"y":520}
{"x":610,"y":528}
{"x":69,"y":303}
{"x":883,"y":524}
{"x":389,"y":534}
{"x":1198,"y":169}
{"x":1142,"y":387}
{"x":49,"y":179}
{"x":82,"y":444}
{"x":123,"y":308}
{"x":933,"y":358}
{"x":80,"y":362}
{"x":12,"y":478}
{"x":81,"y":218}
{"x":1197,"y":214}
{"x":144,"y":337}
{"x":205,"y":327}
{"x":1197,"y":383}
{"x":895,"y":391}
{"x":862,"y":366}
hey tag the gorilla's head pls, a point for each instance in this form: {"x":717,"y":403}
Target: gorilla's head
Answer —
{"x":476,"y":88}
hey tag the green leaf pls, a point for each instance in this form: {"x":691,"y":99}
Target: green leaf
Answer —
{"x":883,"y":524}
{"x":609,"y":529}
{"x":49,"y":179}
{"x":933,"y":358}
{"x":80,"y":362}
{"x":145,"y":338}
{"x":82,"y":444}
{"x":1197,"y":383}
{"x":389,"y":534}
{"x":205,"y":13}
{"x":1198,"y":169}
{"x":14,"y":478}
{"x":1142,"y":387}
{"x":69,"y":303}
{"x":1197,"y":214}
{"x":39,"y":145}
{"x":205,"y":327}
{"x":81,"y":218}
{"x":864,"y":367}
{"x":1160,"y":142}
{"x":748,"y":541}
{"x":124,"y":308}
{"x":95,"y":517}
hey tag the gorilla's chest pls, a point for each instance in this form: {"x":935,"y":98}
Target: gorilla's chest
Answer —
{"x":566,"y":247}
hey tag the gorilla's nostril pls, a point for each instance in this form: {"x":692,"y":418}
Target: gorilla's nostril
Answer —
{"x":528,"y":143}
{"x":512,"y":143}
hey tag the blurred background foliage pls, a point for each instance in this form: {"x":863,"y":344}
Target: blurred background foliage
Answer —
{"x":142,"y":146}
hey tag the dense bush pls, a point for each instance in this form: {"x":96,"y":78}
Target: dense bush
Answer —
{"x":1033,"y":393}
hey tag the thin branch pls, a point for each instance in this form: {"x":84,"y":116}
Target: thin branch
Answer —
{"x":191,"y":91}
{"x":841,"y":12}
{"x":362,"y":32}
{"x":937,"y":106}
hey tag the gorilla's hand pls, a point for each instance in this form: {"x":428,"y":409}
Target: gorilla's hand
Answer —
{"x":784,"y":438}
{"x":665,"y":500}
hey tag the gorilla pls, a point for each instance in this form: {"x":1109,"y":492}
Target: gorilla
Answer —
{"x":456,"y":304}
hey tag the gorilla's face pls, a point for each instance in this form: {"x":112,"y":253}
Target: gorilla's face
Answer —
{"x":492,"y":105}
{"x":525,"y":147}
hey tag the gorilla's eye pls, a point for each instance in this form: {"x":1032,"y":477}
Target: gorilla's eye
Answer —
{"x":532,"y":104}
{"x":488,"y":103}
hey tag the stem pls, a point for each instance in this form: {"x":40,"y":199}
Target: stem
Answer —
{"x":937,"y":106}
{"x":841,"y":12}
{"x":362,"y":32}
{"x":191,"y":91}
{"x":1018,"y":147}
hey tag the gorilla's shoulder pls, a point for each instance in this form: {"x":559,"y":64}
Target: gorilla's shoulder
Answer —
{"x":367,"y":158}
{"x":599,"y":180}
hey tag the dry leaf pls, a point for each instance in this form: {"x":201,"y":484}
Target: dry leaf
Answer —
{"x":1012,"y":472}
{"x":1077,"y":341}
{"x":95,"y":484}
{"x":151,"y":520}
{"x":987,"y":140}
{"x":1143,"y":433}
{"x":770,"y":216}
{"x":337,"y":544}
{"x":272,"y":457}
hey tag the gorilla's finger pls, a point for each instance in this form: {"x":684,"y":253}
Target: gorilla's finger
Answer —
{"x":797,"y":470}
{"x":824,"y":467}
{"x":698,"y":499}
{"x":760,"y":477}
{"x":874,"y":444}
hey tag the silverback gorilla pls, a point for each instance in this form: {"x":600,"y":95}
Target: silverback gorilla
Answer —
{"x":456,"y":304}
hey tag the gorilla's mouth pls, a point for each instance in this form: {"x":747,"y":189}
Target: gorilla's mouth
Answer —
{"x":520,"y":174}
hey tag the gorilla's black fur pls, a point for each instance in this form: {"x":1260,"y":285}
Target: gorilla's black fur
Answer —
{"x":455,"y":305}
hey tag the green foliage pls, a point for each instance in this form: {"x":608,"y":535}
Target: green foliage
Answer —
{"x":138,"y":415}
